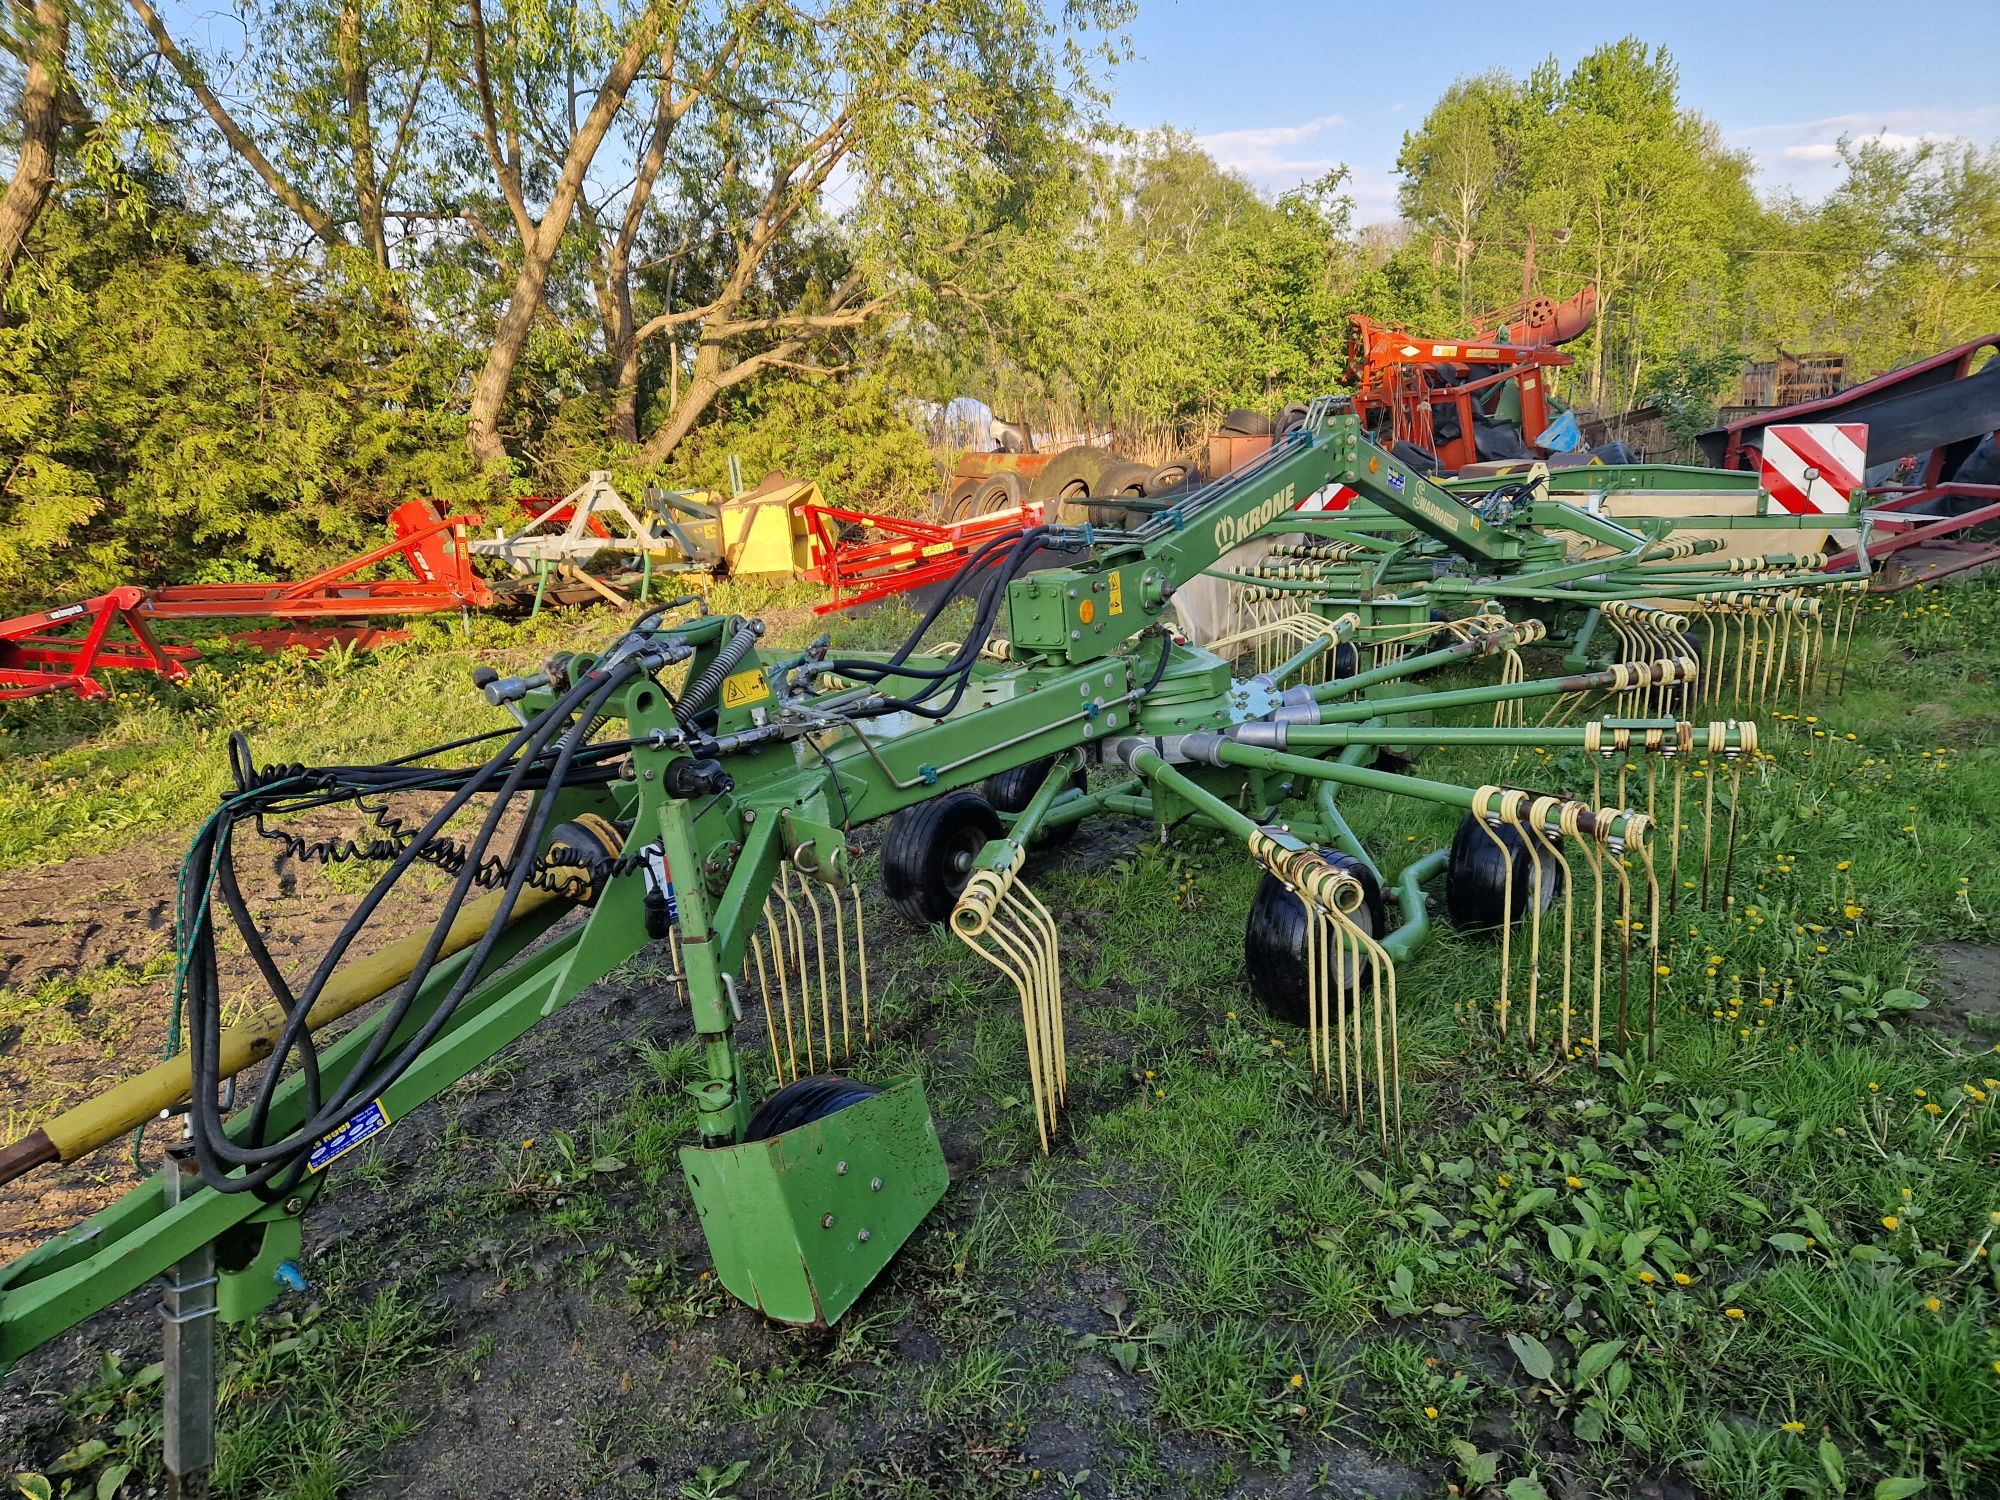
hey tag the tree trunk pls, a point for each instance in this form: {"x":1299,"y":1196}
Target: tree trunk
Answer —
{"x":538,"y":251}
{"x":41,"y":121}
{"x":361,"y":132}
{"x":704,"y":385}
{"x":625,"y":357}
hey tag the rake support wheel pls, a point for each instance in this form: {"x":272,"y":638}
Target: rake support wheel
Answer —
{"x":1274,"y":940}
{"x":1475,"y":882}
{"x":1011,"y":791}
{"x":802,"y":1102}
{"x":928,"y":852}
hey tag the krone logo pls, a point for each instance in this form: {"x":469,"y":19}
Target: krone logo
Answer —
{"x":1232,"y":529}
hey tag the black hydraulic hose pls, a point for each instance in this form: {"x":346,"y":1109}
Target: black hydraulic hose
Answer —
{"x":517,"y":765}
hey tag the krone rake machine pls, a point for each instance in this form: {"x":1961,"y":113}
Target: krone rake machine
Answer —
{"x":716,"y":815}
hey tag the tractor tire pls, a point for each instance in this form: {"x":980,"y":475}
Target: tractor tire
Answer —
{"x":1169,"y":478}
{"x":1070,"y":478}
{"x":928,"y":852}
{"x":1292,"y":416}
{"x":958,"y":500}
{"x":1242,"y":422}
{"x":802,"y":1102}
{"x":1126,"y":481}
{"x":1001,"y":491}
{"x":1274,"y":941}
{"x":1475,"y":882}
{"x":1011,"y":791}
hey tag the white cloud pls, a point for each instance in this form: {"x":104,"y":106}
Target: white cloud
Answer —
{"x":1804,"y":155}
{"x":1262,"y":155}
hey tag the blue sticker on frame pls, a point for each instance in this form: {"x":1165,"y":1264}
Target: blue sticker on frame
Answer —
{"x":371,"y":1120}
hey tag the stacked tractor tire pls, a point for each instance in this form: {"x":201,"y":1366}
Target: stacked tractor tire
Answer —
{"x":1097,"y":485}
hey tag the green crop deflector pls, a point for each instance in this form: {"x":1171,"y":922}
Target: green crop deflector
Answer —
{"x":801,"y":1223}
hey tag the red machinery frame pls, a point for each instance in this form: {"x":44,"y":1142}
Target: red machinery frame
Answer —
{"x":1892,"y":530}
{"x":1408,"y":376}
{"x":1736,"y":444}
{"x":35,"y":659}
{"x":893,"y":554}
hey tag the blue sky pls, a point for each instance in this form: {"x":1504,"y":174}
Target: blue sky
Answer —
{"x":1281,"y":90}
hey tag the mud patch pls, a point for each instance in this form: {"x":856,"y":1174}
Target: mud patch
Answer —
{"x":1966,"y":991}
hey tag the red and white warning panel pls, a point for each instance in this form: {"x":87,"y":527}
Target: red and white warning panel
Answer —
{"x":1327,"y":497}
{"x":1810,"y":467}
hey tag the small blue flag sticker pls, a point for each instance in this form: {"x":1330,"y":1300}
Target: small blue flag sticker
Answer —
{"x":371,"y":1120}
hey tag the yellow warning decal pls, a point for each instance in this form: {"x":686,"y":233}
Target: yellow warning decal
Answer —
{"x":937,"y":549}
{"x":1118,"y":593}
{"x":744,"y":688}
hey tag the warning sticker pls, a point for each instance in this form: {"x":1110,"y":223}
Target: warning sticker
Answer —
{"x":1118,"y":593}
{"x":371,"y":1121}
{"x":745,"y":687}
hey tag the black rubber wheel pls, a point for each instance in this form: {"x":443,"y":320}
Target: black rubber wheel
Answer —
{"x":803,"y":1102}
{"x":1011,"y":792}
{"x":1475,"y":882}
{"x":1168,"y":478}
{"x":958,"y":499}
{"x":928,"y":852}
{"x":1070,"y":477}
{"x":1000,"y":492}
{"x":1274,"y":940}
{"x":1125,"y":481}
{"x":1242,"y":422}
{"x":1291,"y":417}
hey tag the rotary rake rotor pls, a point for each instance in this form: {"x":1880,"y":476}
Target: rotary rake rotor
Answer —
{"x":692,"y":787}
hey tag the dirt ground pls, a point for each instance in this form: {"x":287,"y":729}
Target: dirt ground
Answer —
{"x":90,"y":942}
{"x":569,"y":1391}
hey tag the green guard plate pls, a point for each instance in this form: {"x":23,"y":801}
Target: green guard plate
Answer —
{"x":800,"y":1224}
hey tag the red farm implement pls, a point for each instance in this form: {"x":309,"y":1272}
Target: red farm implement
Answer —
{"x":863,"y":558}
{"x":61,"y":648}
{"x":1930,"y":434}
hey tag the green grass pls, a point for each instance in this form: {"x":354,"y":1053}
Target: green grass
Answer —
{"x":1756,"y":1260}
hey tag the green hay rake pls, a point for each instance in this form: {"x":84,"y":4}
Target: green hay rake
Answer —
{"x":717,"y":816}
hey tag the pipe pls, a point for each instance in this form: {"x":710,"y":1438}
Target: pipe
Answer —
{"x":1229,"y":753}
{"x":1486,"y":643}
{"x":128,"y":1105}
{"x":1409,"y":894}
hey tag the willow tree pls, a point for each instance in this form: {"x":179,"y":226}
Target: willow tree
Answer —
{"x":35,"y":34}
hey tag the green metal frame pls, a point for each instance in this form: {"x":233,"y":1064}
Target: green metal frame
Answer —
{"x":785,"y":1217}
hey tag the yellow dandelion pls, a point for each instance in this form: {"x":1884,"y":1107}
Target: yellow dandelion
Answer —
{"x":1792,"y":1427}
{"x":1681,"y":1278}
{"x":1890,"y":1222}
{"x":1735,"y":1314}
{"x":1575,"y":1182}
